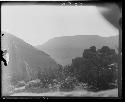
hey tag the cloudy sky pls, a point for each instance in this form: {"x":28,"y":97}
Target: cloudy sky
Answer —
{"x":36,"y":24}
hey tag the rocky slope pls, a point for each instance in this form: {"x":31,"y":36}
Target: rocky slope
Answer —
{"x":25,"y":61}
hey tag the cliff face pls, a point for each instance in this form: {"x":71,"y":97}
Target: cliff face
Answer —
{"x":63,"y":49}
{"x":25,"y":61}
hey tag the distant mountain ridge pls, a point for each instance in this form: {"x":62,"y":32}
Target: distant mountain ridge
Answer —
{"x":63,"y":49}
{"x":25,"y":60}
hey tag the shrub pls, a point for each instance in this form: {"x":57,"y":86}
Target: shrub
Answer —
{"x":81,"y":86}
{"x":20,"y":84}
{"x":33,"y":84}
{"x":7,"y":87}
{"x":69,"y":83}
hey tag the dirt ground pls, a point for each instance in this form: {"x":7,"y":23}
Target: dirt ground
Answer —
{"x":78,"y":93}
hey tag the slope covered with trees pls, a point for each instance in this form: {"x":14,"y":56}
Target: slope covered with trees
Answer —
{"x":98,"y":68}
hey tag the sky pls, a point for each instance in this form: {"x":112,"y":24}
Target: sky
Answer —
{"x":36,"y":24}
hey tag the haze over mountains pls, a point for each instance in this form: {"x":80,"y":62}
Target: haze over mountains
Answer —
{"x":25,"y":60}
{"x":64,"y":49}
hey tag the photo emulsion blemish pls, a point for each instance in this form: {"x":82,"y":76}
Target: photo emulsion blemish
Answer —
{"x":69,"y":50}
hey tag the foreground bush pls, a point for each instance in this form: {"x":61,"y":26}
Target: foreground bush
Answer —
{"x":69,"y":83}
{"x":81,"y":86}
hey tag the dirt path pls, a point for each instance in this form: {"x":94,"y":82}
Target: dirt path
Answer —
{"x":108,"y":93}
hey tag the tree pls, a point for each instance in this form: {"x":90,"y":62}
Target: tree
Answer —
{"x":93,"y":67}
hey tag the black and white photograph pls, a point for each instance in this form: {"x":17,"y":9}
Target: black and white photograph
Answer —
{"x":61,"y":49}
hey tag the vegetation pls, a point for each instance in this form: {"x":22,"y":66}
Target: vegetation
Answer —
{"x":95,"y":70}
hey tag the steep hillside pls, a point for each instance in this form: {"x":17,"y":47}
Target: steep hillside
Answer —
{"x":25,"y":61}
{"x":63,"y":49}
